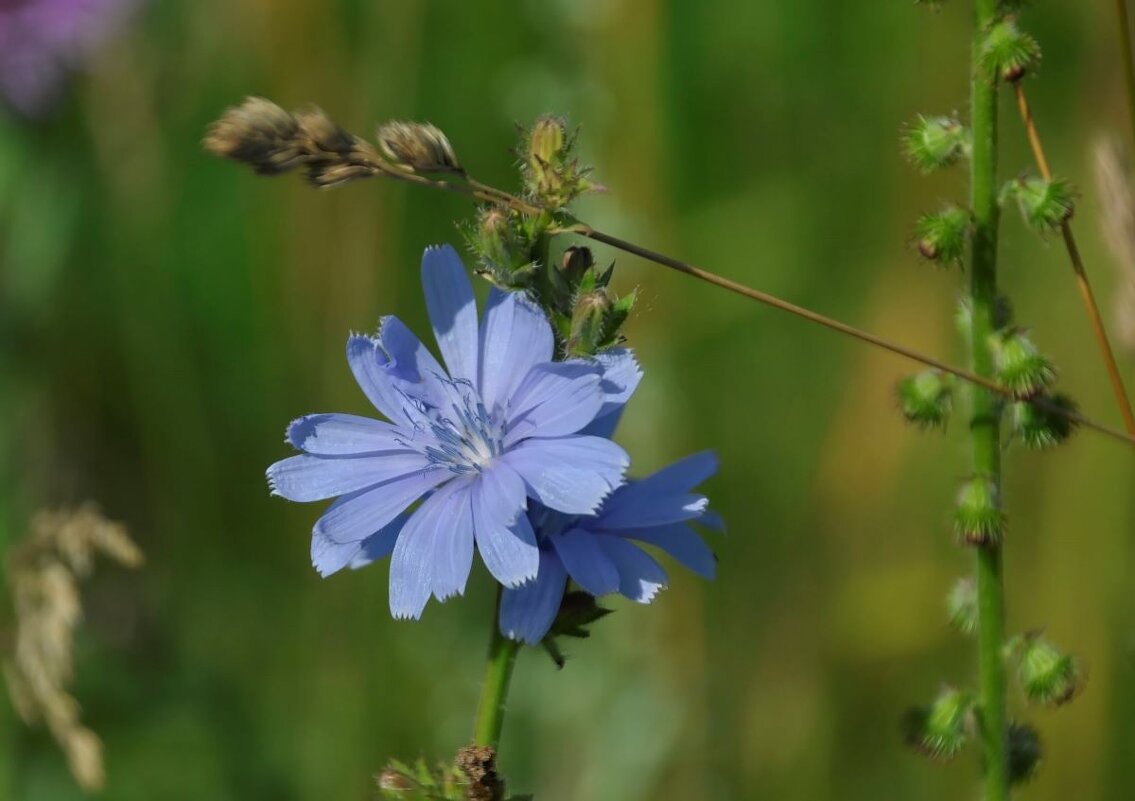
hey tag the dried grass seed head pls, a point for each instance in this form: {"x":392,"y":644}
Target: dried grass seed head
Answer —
{"x":417,"y":146}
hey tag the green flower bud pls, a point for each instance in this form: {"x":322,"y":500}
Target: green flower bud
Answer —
{"x":1047,"y":676}
{"x":547,"y":141}
{"x":1025,"y":752}
{"x":942,"y":235}
{"x":940,"y":730}
{"x":393,"y":783}
{"x":1020,"y":366}
{"x":962,"y":606}
{"x":1007,"y":53}
{"x":926,"y":398}
{"x":1045,"y":205}
{"x":1042,"y":422}
{"x":552,"y":174}
{"x":589,"y":320}
{"x":575,"y":262}
{"x":932,"y":143}
{"x":978,"y":519}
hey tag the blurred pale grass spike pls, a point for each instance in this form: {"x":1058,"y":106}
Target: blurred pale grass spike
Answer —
{"x":44,"y":572}
{"x":1118,"y":221}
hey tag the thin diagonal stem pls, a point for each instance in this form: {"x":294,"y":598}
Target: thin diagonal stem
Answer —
{"x":835,"y":325}
{"x":1123,"y":25}
{"x":462,"y":183}
{"x":494,"y":693}
{"x":1082,"y":282}
{"x":985,"y":422}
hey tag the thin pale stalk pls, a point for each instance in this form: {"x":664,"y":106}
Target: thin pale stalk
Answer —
{"x":1123,"y":25}
{"x":494,"y":693}
{"x":984,"y":381}
{"x":470,"y":187}
{"x":1082,"y":282}
{"x":985,"y":424}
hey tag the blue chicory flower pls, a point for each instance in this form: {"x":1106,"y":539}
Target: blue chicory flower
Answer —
{"x":598,"y":552}
{"x":505,"y":423}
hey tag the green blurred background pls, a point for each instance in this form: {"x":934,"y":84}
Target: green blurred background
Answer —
{"x":165,"y":314}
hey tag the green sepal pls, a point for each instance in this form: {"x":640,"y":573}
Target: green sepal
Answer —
{"x":1025,"y":752}
{"x":1007,"y":53}
{"x":933,"y":143}
{"x":941,"y":236}
{"x":961,"y":604}
{"x":1045,"y":205}
{"x":1048,"y":676}
{"x":1020,"y":365}
{"x":578,"y":611}
{"x":926,"y":398}
{"x":942,"y":729}
{"x":978,"y":519}
{"x":1042,"y":422}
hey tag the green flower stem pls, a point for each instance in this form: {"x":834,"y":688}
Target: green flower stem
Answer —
{"x":494,"y":694}
{"x":985,"y":424}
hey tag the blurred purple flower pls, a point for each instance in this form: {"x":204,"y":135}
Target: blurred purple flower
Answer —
{"x":598,"y":552}
{"x":474,"y":443}
{"x":40,"y":40}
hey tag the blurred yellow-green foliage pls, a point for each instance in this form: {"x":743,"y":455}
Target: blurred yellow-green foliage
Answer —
{"x":165,"y":314}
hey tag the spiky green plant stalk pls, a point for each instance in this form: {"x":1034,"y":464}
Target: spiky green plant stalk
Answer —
{"x":985,"y":423}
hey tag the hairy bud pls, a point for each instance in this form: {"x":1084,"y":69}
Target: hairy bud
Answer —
{"x":1007,"y":53}
{"x":1042,"y":422}
{"x":926,"y":399}
{"x":575,"y":262}
{"x":933,"y":143}
{"x":1025,"y":752}
{"x":941,"y":236}
{"x":1045,"y":205}
{"x":940,"y":730}
{"x":1047,"y":676}
{"x":1020,"y":365}
{"x":961,"y":605}
{"x":978,"y":519}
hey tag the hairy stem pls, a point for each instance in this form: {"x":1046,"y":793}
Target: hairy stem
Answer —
{"x":494,"y":693}
{"x":1081,"y":274}
{"x":985,"y":425}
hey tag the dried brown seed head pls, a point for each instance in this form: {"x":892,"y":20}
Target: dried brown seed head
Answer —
{"x":258,"y":133}
{"x":418,"y":146}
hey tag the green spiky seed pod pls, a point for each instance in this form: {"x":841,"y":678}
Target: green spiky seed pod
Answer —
{"x":961,"y":604}
{"x":1008,"y":53}
{"x":1042,"y":422}
{"x":942,"y":236}
{"x":1047,"y":676}
{"x":1025,"y":752}
{"x":933,"y":143}
{"x":1045,"y":205}
{"x":926,"y":398}
{"x":1020,"y":365}
{"x":978,"y":519}
{"x":940,"y":730}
